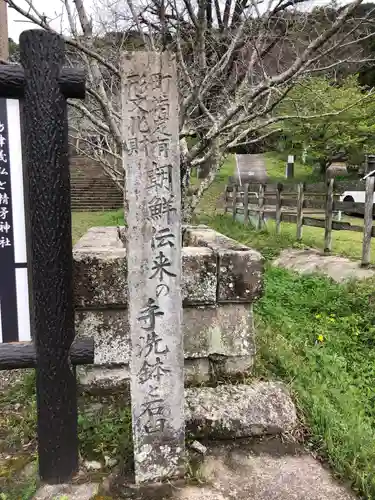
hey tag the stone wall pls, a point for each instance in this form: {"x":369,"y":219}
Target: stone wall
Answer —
{"x":220,"y":281}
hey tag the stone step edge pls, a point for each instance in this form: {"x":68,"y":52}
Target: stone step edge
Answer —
{"x":239,"y":411}
{"x":234,"y":411}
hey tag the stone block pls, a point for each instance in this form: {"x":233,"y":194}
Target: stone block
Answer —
{"x":240,"y":268}
{"x":85,"y":491}
{"x":100,"y":237}
{"x":110,"y":331}
{"x":239,"y":411}
{"x":199,"y":276}
{"x":226,"y":330}
{"x":218,"y":342}
{"x":203,"y":236}
{"x":240,"y":276}
{"x":197,"y":371}
{"x":104,"y":379}
{"x":100,"y":277}
{"x":100,"y":273}
{"x":114,"y":379}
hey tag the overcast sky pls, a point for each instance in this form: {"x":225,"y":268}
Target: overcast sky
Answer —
{"x":51,"y":8}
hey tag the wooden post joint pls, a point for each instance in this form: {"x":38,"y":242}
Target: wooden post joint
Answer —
{"x":15,"y":355}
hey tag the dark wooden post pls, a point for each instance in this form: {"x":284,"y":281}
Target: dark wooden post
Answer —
{"x":300,"y":203}
{"x":47,"y":167}
{"x":279,"y":189}
{"x":328,"y":216}
{"x":246,"y":204}
{"x":227,"y":198}
{"x":234,"y":202}
{"x":260,"y":219}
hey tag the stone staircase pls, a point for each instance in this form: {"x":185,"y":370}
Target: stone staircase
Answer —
{"x":91,"y":189}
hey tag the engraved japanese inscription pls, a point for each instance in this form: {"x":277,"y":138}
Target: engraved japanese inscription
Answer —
{"x":151,"y":161}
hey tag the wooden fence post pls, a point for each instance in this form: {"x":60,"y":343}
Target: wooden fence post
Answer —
{"x":300,"y":200}
{"x":260,"y":220}
{"x":226,"y":201}
{"x":234,"y":202}
{"x":328,"y":217}
{"x":278,"y":207}
{"x":47,"y":167}
{"x":367,"y":224}
{"x":246,"y":204}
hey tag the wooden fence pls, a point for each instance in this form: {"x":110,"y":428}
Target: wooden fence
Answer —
{"x":298,"y":206}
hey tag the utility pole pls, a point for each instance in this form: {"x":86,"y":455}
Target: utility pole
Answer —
{"x":4,"y":45}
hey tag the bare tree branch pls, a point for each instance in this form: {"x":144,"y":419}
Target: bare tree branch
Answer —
{"x":237,"y":61}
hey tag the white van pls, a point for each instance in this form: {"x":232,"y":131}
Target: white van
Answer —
{"x":357,"y":196}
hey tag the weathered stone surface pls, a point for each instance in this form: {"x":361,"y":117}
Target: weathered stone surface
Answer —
{"x":101,"y":379}
{"x":309,"y":260}
{"x":215,"y":269}
{"x":70,"y":491}
{"x":240,"y":268}
{"x":240,"y":276}
{"x":233,"y":411}
{"x":94,"y":379}
{"x":199,"y":276}
{"x":197,"y":371}
{"x":218,"y":339}
{"x":268,"y":470}
{"x":254,"y":469}
{"x":100,"y":237}
{"x":203,"y":236}
{"x":110,"y":331}
{"x":153,"y":193}
{"x":100,"y":277}
{"x":226,"y":330}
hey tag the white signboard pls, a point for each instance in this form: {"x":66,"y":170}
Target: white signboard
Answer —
{"x":14,"y":288}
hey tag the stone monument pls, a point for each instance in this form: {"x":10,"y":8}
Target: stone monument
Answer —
{"x":153,"y":213}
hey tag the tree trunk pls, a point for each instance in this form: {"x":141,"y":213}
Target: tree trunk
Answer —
{"x":323,"y":163}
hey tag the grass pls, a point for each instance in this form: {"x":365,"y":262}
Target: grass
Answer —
{"x":344,"y":243}
{"x":319,"y":337}
{"x":104,"y":427}
{"x":82,"y":221}
{"x":17,"y":440}
{"x":211,"y":198}
{"x":276,"y":163}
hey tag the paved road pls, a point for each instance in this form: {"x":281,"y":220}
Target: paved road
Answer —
{"x":250,"y":168}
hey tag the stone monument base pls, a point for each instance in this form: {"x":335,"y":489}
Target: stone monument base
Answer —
{"x":220,"y":281}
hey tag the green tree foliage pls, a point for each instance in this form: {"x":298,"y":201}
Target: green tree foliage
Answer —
{"x":14,"y":52}
{"x":342,"y":120}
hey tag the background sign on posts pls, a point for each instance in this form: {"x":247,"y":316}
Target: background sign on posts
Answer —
{"x":14,"y":289}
